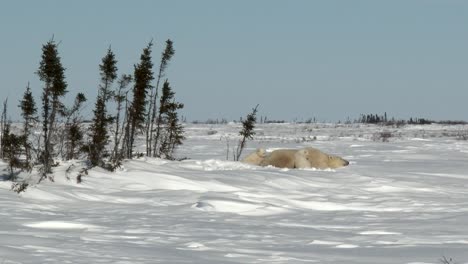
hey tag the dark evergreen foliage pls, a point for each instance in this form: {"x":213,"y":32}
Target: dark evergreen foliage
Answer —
{"x":383,"y":120}
{"x":420,"y":121}
{"x":73,"y":134}
{"x":166,"y":56}
{"x":29,"y":114}
{"x":12,"y":149}
{"x":173,"y":133}
{"x":62,"y":134}
{"x":143,"y":75}
{"x":28,"y":106}
{"x":3,"y":124}
{"x":247,"y":131}
{"x":101,"y":121}
{"x":52,"y":73}
{"x":75,"y":140}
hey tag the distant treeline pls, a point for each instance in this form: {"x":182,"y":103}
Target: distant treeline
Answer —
{"x":263,"y":120}
{"x":381,"y":119}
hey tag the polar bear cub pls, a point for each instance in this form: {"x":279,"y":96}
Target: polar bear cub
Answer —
{"x":256,"y":157}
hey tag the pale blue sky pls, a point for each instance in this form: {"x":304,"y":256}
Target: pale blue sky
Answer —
{"x":297,"y":59}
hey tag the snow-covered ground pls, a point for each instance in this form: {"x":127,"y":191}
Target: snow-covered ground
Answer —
{"x":402,"y":201}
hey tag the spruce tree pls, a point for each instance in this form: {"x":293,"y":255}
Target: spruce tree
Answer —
{"x":10,"y":143}
{"x":247,"y":132}
{"x":143,"y":75}
{"x":29,"y":114}
{"x":73,"y":135}
{"x":52,"y":73}
{"x":75,"y":140}
{"x":174,"y":130}
{"x":171,"y":135}
{"x":120,"y":96}
{"x":3,"y":126}
{"x":101,"y":120}
{"x":12,"y":149}
{"x":166,"y":56}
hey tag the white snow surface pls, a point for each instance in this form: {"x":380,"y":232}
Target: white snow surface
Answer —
{"x":402,"y":201}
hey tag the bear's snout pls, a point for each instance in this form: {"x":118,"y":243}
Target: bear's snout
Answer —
{"x":346,"y":163}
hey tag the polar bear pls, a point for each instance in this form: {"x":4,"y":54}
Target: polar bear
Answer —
{"x":314,"y":158}
{"x":283,"y":158}
{"x":302,"y":158}
{"x":256,"y":157}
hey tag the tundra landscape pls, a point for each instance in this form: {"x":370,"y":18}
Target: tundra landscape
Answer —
{"x":399,"y":201}
{"x":212,"y":132}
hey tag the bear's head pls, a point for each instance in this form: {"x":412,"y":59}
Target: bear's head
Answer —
{"x":261,"y":152}
{"x":337,"y":162}
{"x":256,"y":157}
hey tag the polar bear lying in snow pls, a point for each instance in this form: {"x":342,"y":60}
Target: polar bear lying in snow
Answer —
{"x":296,"y":158}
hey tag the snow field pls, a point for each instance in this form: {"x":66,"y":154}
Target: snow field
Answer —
{"x":403,"y":201}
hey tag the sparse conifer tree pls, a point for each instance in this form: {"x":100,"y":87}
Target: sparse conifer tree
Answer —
{"x":166,"y":56}
{"x":143,"y":75}
{"x":120,"y":96}
{"x":73,"y":134}
{"x":171,"y":135}
{"x":52,"y":73}
{"x":247,"y":132}
{"x":3,"y":124}
{"x":12,"y":149}
{"x":174,"y":131}
{"x":10,"y":143}
{"x":101,"y":120}
{"x":29,"y":114}
{"x":75,"y":140}
{"x":126,"y":130}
